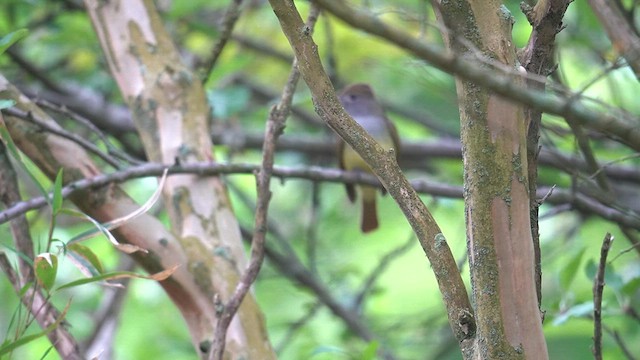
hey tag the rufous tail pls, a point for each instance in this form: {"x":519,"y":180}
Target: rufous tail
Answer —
{"x":369,"y":214}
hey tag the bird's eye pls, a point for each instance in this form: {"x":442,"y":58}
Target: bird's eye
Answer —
{"x":353,"y":97}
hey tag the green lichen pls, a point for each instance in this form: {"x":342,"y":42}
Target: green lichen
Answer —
{"x":223,"y":252}
{"x":200,"y":273}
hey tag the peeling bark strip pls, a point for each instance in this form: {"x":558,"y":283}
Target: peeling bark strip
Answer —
{"x":493,"y":133}
{"x":173,"y":118}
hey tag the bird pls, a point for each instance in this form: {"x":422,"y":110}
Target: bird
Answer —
{"x":360,"y":102}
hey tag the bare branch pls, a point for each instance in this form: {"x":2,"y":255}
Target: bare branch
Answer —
{"x":560,"y":196}
{"x":611,"y":122}
{"x":32,"y":69}
{"x":304,"y":319}
{"x":383,"y":264}
{"x":621,"y":344}
{"x":275,"y":127}
{"x":100,"y":342}
{"x":88,"y":145}
{"x":226,"y":28}
{"x":294,"y":269}
{"x":625,"y":40}
{"x":384,"y":165}
{"x":537,"y":58}
{"x":598,"y":286}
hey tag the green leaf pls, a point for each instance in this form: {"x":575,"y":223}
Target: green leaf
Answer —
{"x":86,"y":260}
{"x":580,"y":311}
{"x":325,"y":349}
{"x":370,"y":351}
{"x":631,"y":286}
{"x":25,"y":288}
{"x":13,"y":150}
{"x":22,"y":255}
{"x":11,"y":38}
{"x":8,"y":141}
{"x":8,"y":347}
{"x":120,"y":275}
{"x":57,"y":193}
{"x":611,"y":278}
{"x":568,"y":273}
{"x":46,"y":268}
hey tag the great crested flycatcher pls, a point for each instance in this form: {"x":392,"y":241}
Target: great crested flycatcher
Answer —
{"x":361,"y":104}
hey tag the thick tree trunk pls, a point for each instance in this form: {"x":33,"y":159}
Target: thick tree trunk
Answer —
{"x":173,"y":118}
{"x":493,"y":133}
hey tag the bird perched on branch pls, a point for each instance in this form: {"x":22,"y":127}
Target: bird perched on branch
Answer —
{"x":360,"y":102}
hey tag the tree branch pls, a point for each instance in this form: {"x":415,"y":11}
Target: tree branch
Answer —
{"x":620,"y":125}
{"x":580,"y":201}
{"x":226,"y":28}
{"x":598,"y":286}
{"x":327,"y":105}
{"x":624,"y":39}
{"x":275,"y":127}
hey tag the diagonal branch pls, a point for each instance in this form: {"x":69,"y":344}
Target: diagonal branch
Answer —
{"x":383,"y":163}
{"x":598,"y":286}
{"x":228,"y":23}
{"x":624,"y":39}
{"x":275,"y":127}
{"x":613,"y":123}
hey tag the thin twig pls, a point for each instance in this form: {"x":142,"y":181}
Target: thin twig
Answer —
{"x":604,"y":166}
{"x":261,"y":46}
{"x":632,"y":313}
{"x":106,"y":318}
{"x":581,"y":202}
{"x":36,"y":72}
{"x":65,"y":111}
{"x":288,"y":336}
{"x":275,"y":127}
{"x":621,"y":344}
{"x":312,"y":228}
{"x":226,"y":28}
{"x":383,"y":264}
{"x":293,"y":268}
{"x":613,"y":122}
{"x":598,"y":286}
{"x":633,"y":239}
{"x":589,"y":157}
{"x":273,"y":225}
{"x":88,"y":145}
